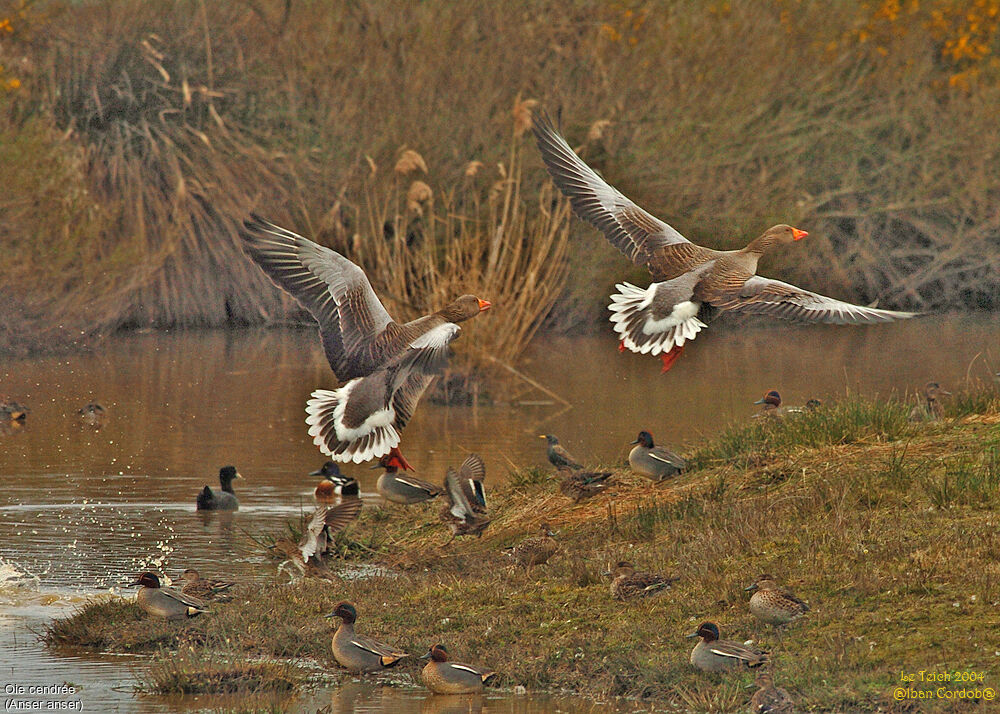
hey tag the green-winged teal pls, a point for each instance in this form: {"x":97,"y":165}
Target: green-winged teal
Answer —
{"x":465,"y":512}
{"x":358,"y":653}
{"x":693,"y":284}
{"x":558,"y":456}
{"x":770,"y":699}
{"x":224,"y":500}
{"x":930,"y":409}
{"x":653,"y":461}
{"x":714,"y":655}
{"x":534,"y":550}
{"x":165,"y":602}
{"x":384,"y":366}
{"x":92,"y":415}
{"x":325,"y":523}
{"x":445,"y":677}
{"x":204,"y":588}
{"x":398,"y":487}
{"x":774,"y":605}
{"x":334,"y":483}
{"x":627,"y":583}
{"x":580,"y":485}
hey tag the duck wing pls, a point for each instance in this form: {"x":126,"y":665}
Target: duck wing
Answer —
{"x":181,"y":597}
{"x":325,"y":522}
{"x":483,"y":673}
{"x":727,"y":648}
{"x":332,"y":288}
{"x":667,"y":457}
{"x":764,"y":296}
{"x":637,"y":233}
{"x":388,"y":655}
{"x":465,"y":488}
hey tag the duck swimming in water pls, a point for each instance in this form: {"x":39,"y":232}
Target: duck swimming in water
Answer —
{"x":223,"y":500}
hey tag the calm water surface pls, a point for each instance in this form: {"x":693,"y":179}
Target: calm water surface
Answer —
{"x":81,"y":511}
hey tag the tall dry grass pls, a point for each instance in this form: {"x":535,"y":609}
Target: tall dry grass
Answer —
{"x":871,"y":125}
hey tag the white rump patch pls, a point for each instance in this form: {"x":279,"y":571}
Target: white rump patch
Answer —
{"x":372,"y":439}
{"x":629,"y":308}
{"x":436,"y":338}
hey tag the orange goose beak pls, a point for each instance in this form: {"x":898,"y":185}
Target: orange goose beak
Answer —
{"x":484,"y":305}
{"x":798,"y":235}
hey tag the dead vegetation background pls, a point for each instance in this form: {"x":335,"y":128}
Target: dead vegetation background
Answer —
{"x":135,"y":136}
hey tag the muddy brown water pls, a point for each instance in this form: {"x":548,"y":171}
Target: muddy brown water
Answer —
{"x":81,"y":511}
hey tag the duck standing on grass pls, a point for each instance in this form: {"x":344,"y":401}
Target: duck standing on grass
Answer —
{"x":384,"y":366}
{"x":398,"y":487}
{"x":534,"y":550}
{"x":334,"y":483}
{"x":443,"y":676}
{"x":714,"y":655}
{"x":772,"y":604}
{"x":357,"y":653}
{"x":580,"y":485}
{"x":770,"y":699}
{"x":627,"y":583}
{"x":693,"y":284}
{"x":465,"y":512}
{"x":558,"y":456}
{"x":224,"y":500}
{"x":165,"y":602}
{"x":653,"y":461}
{"x":930,"y":409}
{"x":204,"y":588}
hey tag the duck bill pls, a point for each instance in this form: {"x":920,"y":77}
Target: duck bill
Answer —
{"x":484,"y":305}
{"x":798,"y":235}
{"x":132,"y":585}
{"x":750,"y":588}
{"x":760,"y":401}
{"x":692,"y":635}
{"x":317,"y":472}
{"x":425,"y":656}
{"x":329,"y":615}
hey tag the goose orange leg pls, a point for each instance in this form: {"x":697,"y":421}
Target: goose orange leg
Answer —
{"x":668,"y":358}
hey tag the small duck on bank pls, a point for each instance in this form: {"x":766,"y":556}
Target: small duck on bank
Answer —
{"x":92,"y":415}
{"x":165,"y":602}
{"x":772,"y":604}
{"x":357,"y":653}
{"x":930,"y":409}
{"x":558,"y":456}
{"x":224,"y":500}
{"x":398,"y":487}
{"x":443,"y":676}
{"x":334,"y":483}
{"x":770,"y":699}
{"x":627,"y":583}
{"x":653,"y":461}
{"x":204,"y":588}
{"x":714,"y":655}
{"x":465,"y":512}
{"x":580,"y":485}
{"x":534,"y":550}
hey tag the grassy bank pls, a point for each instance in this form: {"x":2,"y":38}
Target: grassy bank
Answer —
{"x":886,"y":528}
{"x":137,"y":135}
